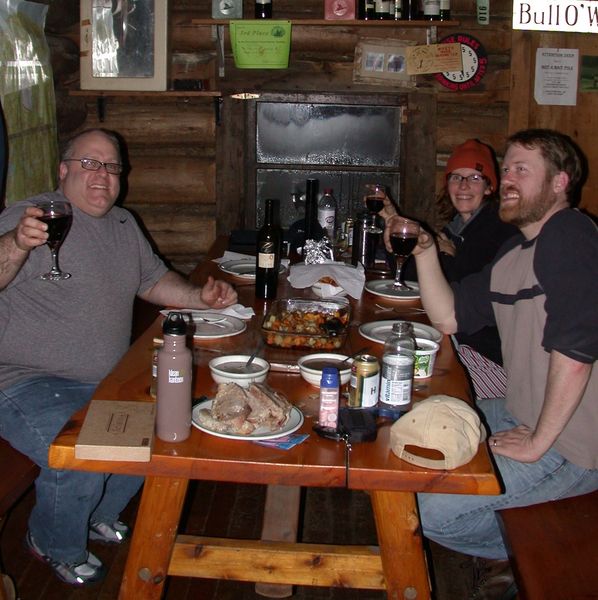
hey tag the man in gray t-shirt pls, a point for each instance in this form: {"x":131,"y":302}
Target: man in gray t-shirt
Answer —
{"x":58,"y":339}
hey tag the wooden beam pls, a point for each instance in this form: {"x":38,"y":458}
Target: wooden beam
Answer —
{"x":277,"y":562}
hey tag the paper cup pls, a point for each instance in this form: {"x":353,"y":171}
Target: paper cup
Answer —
{"x":425,"y":357}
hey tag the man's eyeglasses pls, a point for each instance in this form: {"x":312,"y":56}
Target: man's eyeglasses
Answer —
{"x":474,"y":179}
{"x":94,"y":165}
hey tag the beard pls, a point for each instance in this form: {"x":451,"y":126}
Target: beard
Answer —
{"x":528,"y":209}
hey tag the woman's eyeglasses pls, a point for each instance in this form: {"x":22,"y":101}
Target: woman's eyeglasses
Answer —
{"x":474,"y":179}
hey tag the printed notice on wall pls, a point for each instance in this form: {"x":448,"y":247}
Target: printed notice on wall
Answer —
{"x":556,"y":76}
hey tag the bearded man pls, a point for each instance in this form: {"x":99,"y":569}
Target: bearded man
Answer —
{"x":541,"y":292}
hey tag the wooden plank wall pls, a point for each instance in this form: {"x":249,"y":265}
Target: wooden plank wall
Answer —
{"x":579,"y":121}
{"x":187,"y":180}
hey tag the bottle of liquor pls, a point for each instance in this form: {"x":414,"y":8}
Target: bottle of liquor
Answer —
{"x":312,"y":228}
{"x":175,"y":372}
{"x":398,"y":363}
{"x":382,"y":9}
{"x":263,"y":9}
{"x":267,"y":262}
{"x":431,"y":10}
{"x":366,"y":9}
{"x":410,"y":10}
{"x":445,"y":10}
{"x":327,"y":213}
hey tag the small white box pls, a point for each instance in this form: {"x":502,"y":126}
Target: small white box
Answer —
{"x":124,"y":45}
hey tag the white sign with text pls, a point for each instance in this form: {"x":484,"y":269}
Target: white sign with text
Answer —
{"x":556,"y":15}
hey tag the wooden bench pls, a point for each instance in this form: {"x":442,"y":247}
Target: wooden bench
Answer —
{"x":553,"y":548}
{"x":17,"y":473}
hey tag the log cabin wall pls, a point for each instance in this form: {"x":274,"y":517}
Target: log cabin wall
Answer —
{"x":188,"y":153}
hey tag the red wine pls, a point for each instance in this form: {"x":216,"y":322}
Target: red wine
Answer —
{"x":58,"y":226}
{"x":269,"y":244}
{"x":374,"y":203}
{"x":402,"y":246}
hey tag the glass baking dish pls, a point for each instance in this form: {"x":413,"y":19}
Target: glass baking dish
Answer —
{"x":312,"y":324}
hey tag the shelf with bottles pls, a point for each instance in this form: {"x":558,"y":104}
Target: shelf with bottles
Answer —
{"x":344,"y":22}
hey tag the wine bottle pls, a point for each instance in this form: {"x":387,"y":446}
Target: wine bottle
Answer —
{"x":445,"y":10}
{"x":263,"y":9}
{"x":366,"y":9}
{"x":382,"y":9}
{"x":267,"y":263}
{"x":431,"y":10}
{"x":312,"y":229}
{"x":410,"y":10}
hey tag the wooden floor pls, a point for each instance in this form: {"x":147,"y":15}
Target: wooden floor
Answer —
{"x":217,"y":509}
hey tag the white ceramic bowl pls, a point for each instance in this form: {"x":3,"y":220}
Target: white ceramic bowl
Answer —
{"x":229,"y":369}
{"x":425,"y":357}
{"x":311,"y":365}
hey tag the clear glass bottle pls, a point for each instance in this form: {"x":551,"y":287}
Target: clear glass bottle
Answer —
{"x":327,"y":213}
{"x":175,"y":374}
{"x":267,"y":262}
{"x":431,"y":10}
{"x":397,"y":370}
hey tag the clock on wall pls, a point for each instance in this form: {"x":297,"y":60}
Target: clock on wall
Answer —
{"x":475,"y":63}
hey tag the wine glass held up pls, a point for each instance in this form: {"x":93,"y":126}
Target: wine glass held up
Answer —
{"x":58,"y":216}
{"x":403,"y":239}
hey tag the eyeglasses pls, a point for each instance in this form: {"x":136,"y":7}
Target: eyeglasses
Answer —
{"x":474,"y":179}
{"x":95,"y":165}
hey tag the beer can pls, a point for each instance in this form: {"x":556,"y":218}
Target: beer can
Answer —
{"x":364,"y":382}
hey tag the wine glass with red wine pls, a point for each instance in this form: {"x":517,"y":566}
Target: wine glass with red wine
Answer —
{"x":374,"y":197}
{"x":58,"y":215}
{"x":403,"y":238}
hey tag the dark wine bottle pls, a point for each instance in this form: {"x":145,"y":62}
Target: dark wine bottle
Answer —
{"x":410,"y":10}
{"x":445,"y":10}
{"x":267,"y":262}
{"x":366,"y":9}
{"x":263,"y":9}
{"x":312,"y":229}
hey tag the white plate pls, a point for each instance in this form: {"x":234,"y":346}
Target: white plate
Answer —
{"x":243,"y":268}
{"x":223,"y":325}
{"x":378,"y":331}
{"x":385,"y":288}
{"x":294,"y":421}
{"x":228,"y":327}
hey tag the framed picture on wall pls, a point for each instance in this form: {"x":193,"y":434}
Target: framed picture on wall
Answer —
{"x":384,"y":62}
{"x":124,"y":45}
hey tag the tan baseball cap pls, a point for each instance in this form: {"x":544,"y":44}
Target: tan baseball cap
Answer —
{"x":442,"y":423}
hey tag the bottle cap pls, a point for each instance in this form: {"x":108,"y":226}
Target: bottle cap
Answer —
{"x":329,"y":377}
{"x":174,"y":324}
{"x":328,"y":190}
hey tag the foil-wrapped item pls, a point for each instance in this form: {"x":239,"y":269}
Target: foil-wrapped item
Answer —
{"x":317,"y":252}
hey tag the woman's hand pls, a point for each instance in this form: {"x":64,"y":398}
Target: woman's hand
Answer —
{"x":445,"y":246}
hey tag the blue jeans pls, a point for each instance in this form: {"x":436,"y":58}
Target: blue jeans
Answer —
{"x":32,"y":412}
{"x":468,"y":523}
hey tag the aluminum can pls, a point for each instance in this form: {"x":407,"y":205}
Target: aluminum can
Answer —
{"x":364,"y":382}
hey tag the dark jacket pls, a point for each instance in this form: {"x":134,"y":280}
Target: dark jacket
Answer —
{"x":477,"y":244}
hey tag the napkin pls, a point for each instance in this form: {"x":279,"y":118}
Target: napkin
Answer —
{"x":234,"y":310}
{"x":228,"y":255}
{"x":350,"y":278}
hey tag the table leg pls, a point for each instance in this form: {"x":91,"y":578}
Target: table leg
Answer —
{"x":401,"y":548}
{"x":153,"y":538}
